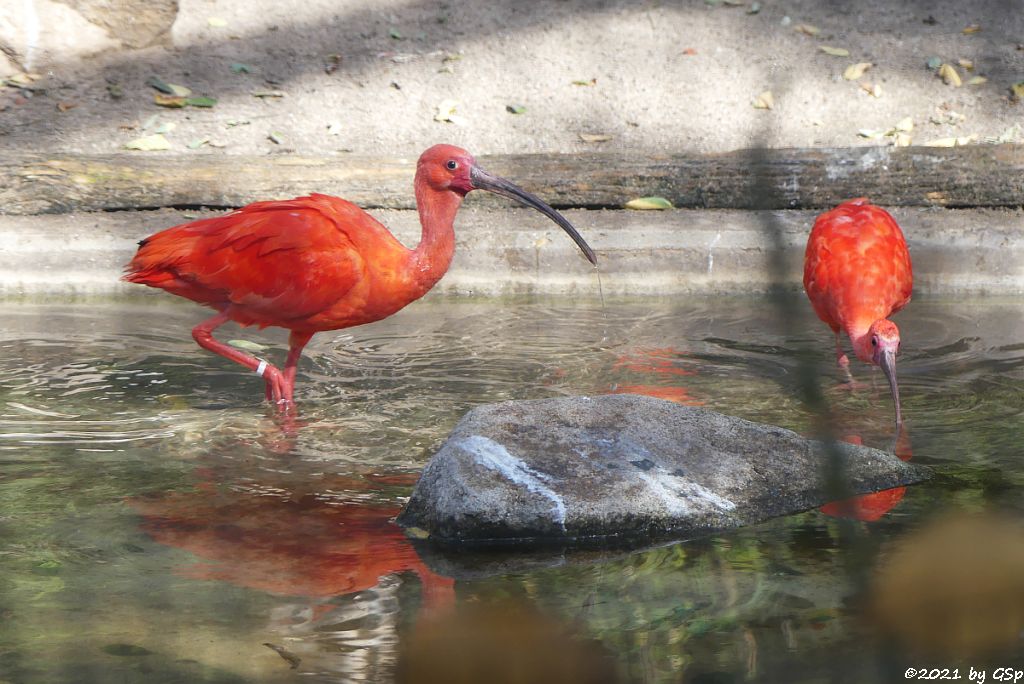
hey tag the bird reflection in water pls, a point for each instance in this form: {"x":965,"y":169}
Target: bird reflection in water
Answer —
{"x":304,"y":545}
{"x":871,"y":507}
{"x":658,"y":366}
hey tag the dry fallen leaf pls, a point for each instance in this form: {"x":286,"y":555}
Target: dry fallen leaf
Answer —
{"x":948,"y":73}
{"x":807,"y":29}
{"x":977,"y":80}
{"x":905,"y":125}
{"x":834,"y":51}
{"x":159,"y":84}
{"x":217,"y":22}
{"x":150,"y":143}
{"x":446,"y":113}
{"x":951,"y":142}
{"x":594,"y":137}
{"x":175,"y":101}
{"x":870,"y":133}
{"x":902,"y":140}
{"x":875,"y":90}
{"x":649,"y":203}
{"x":248,"y":345}
{"x":204,"y":102}
{"x":689,"y":51}
{"x":1018,"y":90}
{"x":269,"y":93}
{"x":65,"y":106}
{"x":1007,"y":136}
{"x":23,"y":79}
{"x":855,"y":71}
{"x":764,"y":101}
{"x":966,"y":64}
{"x":581,"y":82}
{"x":416,"y":533}
{"x":973,"y":28}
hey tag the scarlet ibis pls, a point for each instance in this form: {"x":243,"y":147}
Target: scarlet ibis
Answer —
{"x":317,"y":263}
{"x":857,"y":273}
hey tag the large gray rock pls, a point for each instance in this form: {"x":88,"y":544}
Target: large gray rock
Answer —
{"x":626,"y":465}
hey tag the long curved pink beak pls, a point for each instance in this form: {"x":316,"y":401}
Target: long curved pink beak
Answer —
{"x":888,"y":364}
{"x":499,"y":186}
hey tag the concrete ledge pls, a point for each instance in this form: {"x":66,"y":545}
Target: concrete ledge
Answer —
{"x":503,"y":252}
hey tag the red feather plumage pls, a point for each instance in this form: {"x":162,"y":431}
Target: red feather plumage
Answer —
{"x":309,"y":264}
{"x":857,"y":268}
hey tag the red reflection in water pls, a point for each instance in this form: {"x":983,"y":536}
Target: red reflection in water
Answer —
{"x":871,"y":507}
{"x":302,"y":546}
{"x":677,"y":394}
{"x":660,"y":362}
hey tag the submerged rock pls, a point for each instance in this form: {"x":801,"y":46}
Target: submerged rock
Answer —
{"x":627,"y":466}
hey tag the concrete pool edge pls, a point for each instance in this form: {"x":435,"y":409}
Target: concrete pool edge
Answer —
{"x":503,"y":252}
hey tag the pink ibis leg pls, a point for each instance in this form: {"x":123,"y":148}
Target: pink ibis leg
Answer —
{"x":296,"y":343}
{"x":203,"y":335}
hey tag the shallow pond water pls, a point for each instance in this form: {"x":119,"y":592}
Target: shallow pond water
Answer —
{"x":159,"y":525}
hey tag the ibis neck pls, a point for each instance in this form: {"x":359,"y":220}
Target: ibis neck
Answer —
{"x":433,"y":255}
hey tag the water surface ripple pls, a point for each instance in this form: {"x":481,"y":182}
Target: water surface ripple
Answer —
{"x":155,"y":513}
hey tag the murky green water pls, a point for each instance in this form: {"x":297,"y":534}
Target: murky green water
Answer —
{"x":157,"y":525}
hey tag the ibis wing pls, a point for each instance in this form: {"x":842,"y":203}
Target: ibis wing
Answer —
{"x":269,"y":263}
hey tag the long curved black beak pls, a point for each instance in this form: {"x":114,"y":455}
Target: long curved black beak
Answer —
{"x":499,"y":186}
{"x":888,"y":364}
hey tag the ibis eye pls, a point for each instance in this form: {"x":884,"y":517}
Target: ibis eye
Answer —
{"x":874,"y":341}
{"x":452,"y":164}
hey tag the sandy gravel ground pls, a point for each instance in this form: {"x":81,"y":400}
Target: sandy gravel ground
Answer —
{"x":368,"y":76}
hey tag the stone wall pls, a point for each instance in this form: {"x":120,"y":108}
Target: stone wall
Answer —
{"x":37,"y":34}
